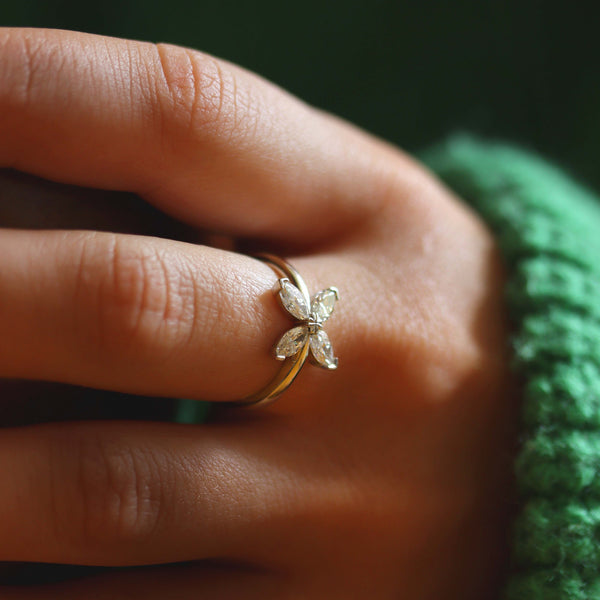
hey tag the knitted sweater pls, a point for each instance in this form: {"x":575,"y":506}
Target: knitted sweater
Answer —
{"x":548,"y":229}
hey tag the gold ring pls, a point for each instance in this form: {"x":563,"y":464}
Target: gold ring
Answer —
{"x":306,"y":336}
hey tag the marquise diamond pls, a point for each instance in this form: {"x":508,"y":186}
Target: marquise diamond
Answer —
{"x":322,"y":305}
{"x":291,"y":342}
{"x":322,"y":350}
{"x":293,"y":300}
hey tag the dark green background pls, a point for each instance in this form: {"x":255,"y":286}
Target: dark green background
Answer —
{"x":409,"y":71}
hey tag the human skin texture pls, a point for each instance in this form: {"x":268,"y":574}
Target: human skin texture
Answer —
{"x":387,"y":478}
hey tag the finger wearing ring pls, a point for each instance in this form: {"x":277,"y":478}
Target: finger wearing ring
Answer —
{"x":296,"y":343}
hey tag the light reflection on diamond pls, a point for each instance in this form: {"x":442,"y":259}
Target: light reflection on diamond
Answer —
{"x":322,"y":305}
{"x":293,"y":300}
{"x":321,"y":349}
{"x":291,"y":342}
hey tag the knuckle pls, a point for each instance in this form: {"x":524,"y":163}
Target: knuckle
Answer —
{"x":197,"y":94}
{"x":133,"y":296}
{"x":20,"y":60}
{"x":119,"y":491}
{"x":24,"y":58}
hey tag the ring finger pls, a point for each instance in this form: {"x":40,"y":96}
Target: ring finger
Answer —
{"x":135,"y":314}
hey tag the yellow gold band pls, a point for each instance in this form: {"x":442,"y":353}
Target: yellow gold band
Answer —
{"x":290,"y":369}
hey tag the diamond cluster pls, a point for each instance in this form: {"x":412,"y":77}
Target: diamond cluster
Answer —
{"x":311,"y":330}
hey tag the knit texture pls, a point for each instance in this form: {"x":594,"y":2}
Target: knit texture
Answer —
{"x":548,"y":229}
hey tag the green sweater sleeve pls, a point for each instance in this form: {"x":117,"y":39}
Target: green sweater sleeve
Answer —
{"x":548,"y":230}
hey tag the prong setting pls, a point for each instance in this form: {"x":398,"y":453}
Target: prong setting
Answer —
{"x":310,"y":331}
{"x":305,"y":339}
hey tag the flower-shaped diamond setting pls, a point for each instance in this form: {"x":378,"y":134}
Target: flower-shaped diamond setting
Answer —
{"x":312,"y":316}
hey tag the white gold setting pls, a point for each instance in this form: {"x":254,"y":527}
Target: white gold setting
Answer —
{"x":312,"y":313}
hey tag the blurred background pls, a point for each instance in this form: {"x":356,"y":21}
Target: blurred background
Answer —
{"x":412,"y":72}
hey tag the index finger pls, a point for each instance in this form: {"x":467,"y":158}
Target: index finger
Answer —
{"x":202,"y":139}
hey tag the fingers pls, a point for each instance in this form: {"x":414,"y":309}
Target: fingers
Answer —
{"x":128,"y":494}
{"x":203,"y":139}
{"x":118,"y":494}
{"x":135,"y":314}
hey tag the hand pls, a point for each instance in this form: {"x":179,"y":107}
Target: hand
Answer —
{"x":387,"y":477}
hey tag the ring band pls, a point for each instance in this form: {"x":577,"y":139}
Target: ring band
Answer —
{"x":307,"y":336}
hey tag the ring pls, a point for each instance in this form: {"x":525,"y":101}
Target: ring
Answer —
{"x":307,"y":336}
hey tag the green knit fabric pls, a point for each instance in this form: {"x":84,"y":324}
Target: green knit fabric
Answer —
{"x":548,"y":229}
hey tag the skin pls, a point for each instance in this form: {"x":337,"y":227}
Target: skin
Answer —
{"x":387,"y":478}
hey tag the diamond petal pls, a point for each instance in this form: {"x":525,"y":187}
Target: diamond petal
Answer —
{"x":291,"y":342}
{"x":293,"y":301}
{"x":322,"y":305}
{"x":321,"y":349}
